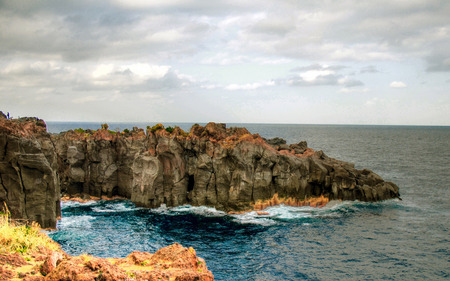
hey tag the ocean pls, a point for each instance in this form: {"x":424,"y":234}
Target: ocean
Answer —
{"x":404,"y":239}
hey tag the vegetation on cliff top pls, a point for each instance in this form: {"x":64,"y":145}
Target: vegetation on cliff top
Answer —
{"x":22,"y":238}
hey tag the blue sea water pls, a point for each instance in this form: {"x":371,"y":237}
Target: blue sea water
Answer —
{"x":390,"y":240}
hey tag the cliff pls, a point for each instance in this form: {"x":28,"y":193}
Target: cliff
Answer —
{"x":29,"y":183}
{"x":227,"y":168}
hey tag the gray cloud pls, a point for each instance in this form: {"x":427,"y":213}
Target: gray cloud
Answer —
{"x":331,"y":31}
{"x":369,"y":69}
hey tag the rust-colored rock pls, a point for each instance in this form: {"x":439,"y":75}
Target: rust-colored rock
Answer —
{"x":170,"y":263}
{"x":174,"y":262}
{"x":50,"y":263}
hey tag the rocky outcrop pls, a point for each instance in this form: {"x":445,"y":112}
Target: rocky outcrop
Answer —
{"x":227,"y":168}
{"x":173,"y":262}
{"x":29,"y":183}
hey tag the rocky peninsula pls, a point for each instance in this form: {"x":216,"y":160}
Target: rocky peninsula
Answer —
{"x":226,"y":168}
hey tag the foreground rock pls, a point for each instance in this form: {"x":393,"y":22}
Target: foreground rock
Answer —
{"x":227,"y":168}
{"x":170,"y":263}
{"x":29,"y":183}
{"x":174,"y":262}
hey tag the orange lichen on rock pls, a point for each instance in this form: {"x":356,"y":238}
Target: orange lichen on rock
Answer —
{"x":86,"y":198}
{"x":320,"y":201}
{"x":26,"y":127}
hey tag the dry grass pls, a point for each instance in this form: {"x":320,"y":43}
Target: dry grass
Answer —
{"x":22,"y":238}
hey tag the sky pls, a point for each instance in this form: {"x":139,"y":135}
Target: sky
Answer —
{"x":379,"y":62}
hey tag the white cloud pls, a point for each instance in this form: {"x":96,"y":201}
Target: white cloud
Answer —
{"x":397,"y":84}
{"x":249,"y":86}
{"x":147,"y":71}
{"x":313,"y":75}
{"x":320,"y":75}
{"x":353,"y":90}
{"x":102,"y":70}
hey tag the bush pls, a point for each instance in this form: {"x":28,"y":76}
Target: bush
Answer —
{"x":169,"y":129}
{"x":79,"y":130}
{"x":157,"y":127}
{"x":105,"y":126}
{"x":23,"y":238}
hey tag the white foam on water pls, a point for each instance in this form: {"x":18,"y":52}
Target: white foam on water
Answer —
{"x":76,"y":221}
{"x":253,"y":218}
{"x":114,"y":208}
{"x":68,"y":204}
{"x":200,"y":210}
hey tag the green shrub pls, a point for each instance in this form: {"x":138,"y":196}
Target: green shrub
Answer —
{"x":157,"y":127}
{"x":169,"y":129}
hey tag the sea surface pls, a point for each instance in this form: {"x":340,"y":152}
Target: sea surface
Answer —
{"x":405,"y":239}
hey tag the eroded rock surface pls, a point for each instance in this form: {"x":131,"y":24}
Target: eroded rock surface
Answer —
{"x":227,"y":168}
{"x":173,"y":262}
{"x":29,"y":183}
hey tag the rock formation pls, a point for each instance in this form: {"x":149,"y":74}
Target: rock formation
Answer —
{"x":227,"y":168}
{"x":29,"y":183}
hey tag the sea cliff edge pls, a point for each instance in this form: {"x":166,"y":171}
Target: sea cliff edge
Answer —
{"x":226,"y":168}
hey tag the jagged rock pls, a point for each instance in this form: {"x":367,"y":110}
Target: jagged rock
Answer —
{"x":173,"y":262}
{"x":227,"y":168}
{"x":29,"y":183}
{"x":299,"y":148}
{"x":275,"y":142}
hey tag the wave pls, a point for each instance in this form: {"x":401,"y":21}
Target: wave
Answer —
{"x":84,"y":221}
{"x":269,"y":216}
{"x":115,"y":207}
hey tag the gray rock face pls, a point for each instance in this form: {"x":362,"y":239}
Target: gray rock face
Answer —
{"x":29,"y":183}
{"x":229,"y":169}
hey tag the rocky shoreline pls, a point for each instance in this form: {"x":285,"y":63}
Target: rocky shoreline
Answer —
{"x":35,"y":257}
{"x":229,"y":169}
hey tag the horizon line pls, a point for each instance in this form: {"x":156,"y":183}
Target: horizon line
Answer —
{"x":250,"y":123}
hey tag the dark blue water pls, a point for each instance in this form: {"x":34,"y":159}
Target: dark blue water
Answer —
{"x":391,"y":240}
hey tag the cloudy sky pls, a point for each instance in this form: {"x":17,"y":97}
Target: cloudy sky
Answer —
{"x":267,"y":61}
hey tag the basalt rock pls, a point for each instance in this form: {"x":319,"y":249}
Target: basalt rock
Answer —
{"x":29,"y":183}
{"x":227,"y":168}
